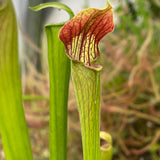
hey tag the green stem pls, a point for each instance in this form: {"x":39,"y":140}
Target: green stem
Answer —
{"x":13,"y":126}
{"x":59,"y":73}
{"x":87,"y":90}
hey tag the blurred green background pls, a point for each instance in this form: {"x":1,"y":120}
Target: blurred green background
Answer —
{"x":130,"y":104}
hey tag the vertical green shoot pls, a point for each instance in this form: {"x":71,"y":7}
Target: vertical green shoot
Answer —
{"x":13,"y":126}
{"x":59,"y":75}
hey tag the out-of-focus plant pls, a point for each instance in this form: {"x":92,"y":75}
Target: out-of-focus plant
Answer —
{"x":136,"y":18}
{"x":81,"y":36}
{"x":13,"y":126}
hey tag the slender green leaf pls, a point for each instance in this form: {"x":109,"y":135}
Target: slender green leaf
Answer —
{"x":13,"y":126}
{"x":59,"y":73}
